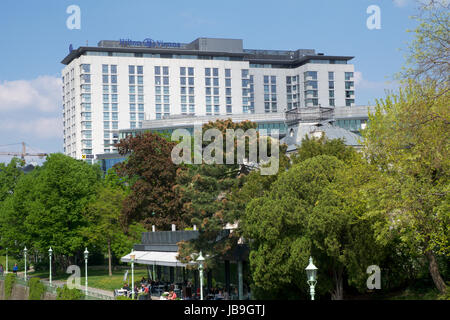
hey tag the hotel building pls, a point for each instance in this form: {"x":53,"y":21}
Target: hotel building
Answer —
{"x":120,"y":85}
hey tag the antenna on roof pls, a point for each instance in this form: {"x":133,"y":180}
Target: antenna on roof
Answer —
{"x":87,"y":43}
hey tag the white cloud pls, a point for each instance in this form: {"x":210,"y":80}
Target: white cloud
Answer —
{"x":41,"y":94}
{"x":401,"y":3}
{"x":42,"y":128}
{"x":362,"y":83}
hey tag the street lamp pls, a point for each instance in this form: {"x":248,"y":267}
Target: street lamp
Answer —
{"x":25,"y":255}
{"x":132,"y":256}
{"x":200,"y":261}
{"x":50,"y":251}
{"x":311,"y":275}
{"x":6,"y":260}
{"x":86,"y":254}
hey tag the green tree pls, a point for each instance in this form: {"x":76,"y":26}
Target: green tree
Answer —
{"x":47,"y":206}
{"x":9,"y":176}
{"x":408,"y":140}
{"x":428,"y":55}
{"x":311,"y":210}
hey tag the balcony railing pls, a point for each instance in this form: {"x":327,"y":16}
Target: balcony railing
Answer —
{"x":309,"y":114}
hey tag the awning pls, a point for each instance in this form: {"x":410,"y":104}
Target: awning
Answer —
{"x":168,"y":259}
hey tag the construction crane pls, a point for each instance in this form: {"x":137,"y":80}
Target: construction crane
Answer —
{"x":23,"y":154}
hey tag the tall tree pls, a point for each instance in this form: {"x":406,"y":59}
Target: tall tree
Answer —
{"x":47,"y":206}
{"x":428,"y":55}
{"x":105,"y":228}
{"x":151,"y":174}
{"x":408,"y":139}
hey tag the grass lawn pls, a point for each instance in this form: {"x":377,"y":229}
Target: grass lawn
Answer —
{"x":98,"y":278}
{"x":11,"y":262}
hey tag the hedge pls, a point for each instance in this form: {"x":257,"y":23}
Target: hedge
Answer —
{"x":37,"y":289}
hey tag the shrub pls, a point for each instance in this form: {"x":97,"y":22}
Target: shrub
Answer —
{"x":37,"y":289}
{"x":122,"y":298}
{"x":9,"y":284}
{"x":65,"y":293}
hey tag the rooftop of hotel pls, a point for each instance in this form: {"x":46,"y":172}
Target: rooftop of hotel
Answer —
{"x":203,"y":48}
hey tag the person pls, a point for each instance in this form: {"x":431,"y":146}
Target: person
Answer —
{"x":219,"y":296}
{"x":172,"y":295}
{"x":1,"y":269}
{"x":126,"y":287}
{"x":15,"y":268}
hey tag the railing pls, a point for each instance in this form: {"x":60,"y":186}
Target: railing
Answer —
{"x":53,"y":288}
{"x":309,"y":114}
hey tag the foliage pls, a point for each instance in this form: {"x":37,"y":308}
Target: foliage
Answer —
{"x":206,"y":191}
{"x":9,"y":176}
{"x":122,"y":298}
{"x":37,"y":289}
{"x":428,"y":56}
{"x":64,"y":293}
{"x":408,"y":140}
{"x":151,"y":175}
{"x":106,"y":228}
{"x":10,"y":280}
{"x":47,"y":206}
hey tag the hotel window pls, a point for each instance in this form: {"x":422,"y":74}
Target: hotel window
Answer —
{"x":331,"y":102}
{"x":85,"y":78}
{"x":140,"y":69}
{"x":131,"y":69}
{"x":114,"y":88}
{"x":132,"y":107}
{"x":115,"y":125}
{"x":349,"y":85}
{"x":105,"y":107}
{"x":348,"y":76}
{"x":105,"y":78}
{"x":165,"y":71}
{"x":104,"y":68}
{"x":270,"y":94}
{"x":114,"y":107}
{"x":141,"y":107}
{"x":113,"y":69}
{"x":131,"y":79}
{"x":115,"y":116}
{"x":157,"y":70}
{"x":86,"y":68}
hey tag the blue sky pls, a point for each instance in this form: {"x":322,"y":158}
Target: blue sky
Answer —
{"x":34,"y":39}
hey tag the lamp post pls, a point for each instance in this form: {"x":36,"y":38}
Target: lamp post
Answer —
{"x":50,"y":251}
{"x":86,"y":254}
{"x":200,"y":261}
{"x":6,"y":260}
{"x":25,"y":255}
{"x":311,"y":275}
{"x":132,"y":256}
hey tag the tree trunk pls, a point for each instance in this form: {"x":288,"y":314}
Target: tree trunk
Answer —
{"x":109,"y":258}
{"x":434,"y":271}
{"x":338,"y":293}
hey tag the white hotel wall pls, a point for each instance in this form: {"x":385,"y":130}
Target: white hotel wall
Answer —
{"x":174,"y":65}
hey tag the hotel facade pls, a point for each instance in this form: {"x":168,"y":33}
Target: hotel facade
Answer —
{"x":120,"y":85}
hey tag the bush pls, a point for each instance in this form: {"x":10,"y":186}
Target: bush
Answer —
{"x":37,"y":289}
{"x":65,"y":293}
{"x":122,"y":298}
{"x":9,"y":284}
